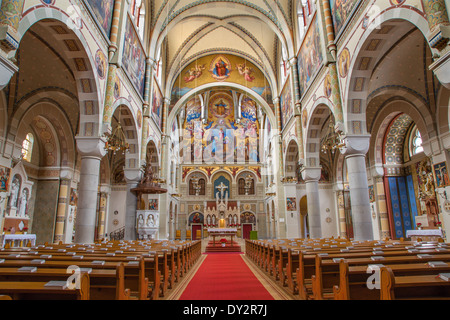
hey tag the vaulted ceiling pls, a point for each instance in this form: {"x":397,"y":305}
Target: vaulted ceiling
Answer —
{"x":189,"y":29}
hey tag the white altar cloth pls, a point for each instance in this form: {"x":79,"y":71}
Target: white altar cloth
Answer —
{"x":18,"y":237}
{"x":222,"y":230}
{"x":424,"y":233}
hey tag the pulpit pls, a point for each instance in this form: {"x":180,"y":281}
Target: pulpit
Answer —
{"x":147,"y":214}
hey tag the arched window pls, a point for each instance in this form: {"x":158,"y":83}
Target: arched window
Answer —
{"x":138,"y":13}
{"x":305,"y":10}
{"x":242,"y":187}
{"x":415,"y":142}
{"x":200,"y":186}
{"x":27,"y":147}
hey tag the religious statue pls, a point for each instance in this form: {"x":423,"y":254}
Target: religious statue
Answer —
{"x":23,"y":204}
{"x":141,"y":221}
{"x":15,"y":186}
{"x":426,"y":188}
{"x":150,"y":220}
{"x":222,"y":198}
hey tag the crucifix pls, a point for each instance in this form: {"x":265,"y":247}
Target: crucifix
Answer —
{"x":222,"y":189}
{"x":221,"y":205}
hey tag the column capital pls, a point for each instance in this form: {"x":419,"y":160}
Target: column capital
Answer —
{"x":377,"y":171}
{"x":311,"y":173}
{"x":151,"y":62}
{"x":132,"y":176}
{"x":355,"y":145}
{"x":91,"y":146}
{"x":293,"y":61}
{"x":7,"y":70}
{"x":66,"y":174}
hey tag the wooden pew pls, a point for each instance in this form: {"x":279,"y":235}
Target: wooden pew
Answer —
{"x":105,"y":284}
{"x":175,"y":262}
{"x":412,"y":287}
{"x":134,"y":274}
{"x":327,"y":271}
{"x":353,"y":280}
{"x":35,"y":290}
{"x":291,"y":270}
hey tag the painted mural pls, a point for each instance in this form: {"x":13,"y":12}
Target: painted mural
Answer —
{"x":291,"y":204}
{"x":310,"y":57}
{"x":157,"y":104}
{"x":223,"y":67}
{"x":103,"y":12}
{"x":133,"y":59}
{"x":220,"y":138}
{"x":287,"y":108}
{"x":196,"y":217}
{"x":441,"y":174}
{"x":341,"y":11}
{"x":4,"y":178}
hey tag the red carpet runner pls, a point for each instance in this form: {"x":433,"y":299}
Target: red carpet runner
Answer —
{"x":225,"y":276}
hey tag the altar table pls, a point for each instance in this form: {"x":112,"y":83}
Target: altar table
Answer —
{"x":222,"y":232}
{"x":425,"y":234}
{"x":18,"y":239}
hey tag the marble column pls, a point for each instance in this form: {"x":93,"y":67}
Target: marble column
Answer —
{"x":380,"y":198}
{"x":329,"y":27}
{"x":109,"y":98}
{"x":92,"y":151}
{"x":132,"y":177}
{"x":311,"y":176}
{"x":341,"y":213}
{"x":101,"y":215}
{"x":354,"y":151}
{"x":114,"y":28}
{"x":64,"y":193}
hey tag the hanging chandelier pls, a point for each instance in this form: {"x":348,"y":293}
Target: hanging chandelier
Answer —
{"x":332,"y":140}
{"x":116,"y":141}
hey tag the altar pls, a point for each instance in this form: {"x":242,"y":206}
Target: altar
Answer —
{"x":18,"y":239}
{"x":425,"y":234}
{"x":222,"y":232}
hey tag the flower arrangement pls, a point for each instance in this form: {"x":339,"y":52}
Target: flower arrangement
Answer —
{"x":419,"y":225}
{"x":223,"y":240}
{"x":439,"y":224}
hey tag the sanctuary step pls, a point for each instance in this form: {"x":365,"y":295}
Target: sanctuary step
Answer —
{"x":217,"y":247}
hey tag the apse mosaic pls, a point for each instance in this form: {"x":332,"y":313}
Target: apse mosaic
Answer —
{"x":222,"y":68}
{"x":219,"y":137}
